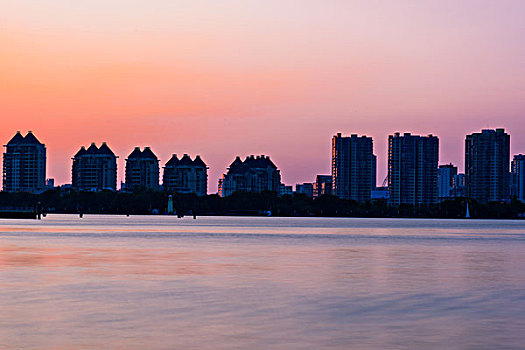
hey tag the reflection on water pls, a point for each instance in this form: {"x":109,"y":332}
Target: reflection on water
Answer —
{"x":260,"y":283}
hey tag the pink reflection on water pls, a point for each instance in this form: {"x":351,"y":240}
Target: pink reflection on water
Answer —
{"x":223,"y":283}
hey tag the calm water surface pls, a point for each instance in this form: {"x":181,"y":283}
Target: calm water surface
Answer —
{"x":114,"y":282}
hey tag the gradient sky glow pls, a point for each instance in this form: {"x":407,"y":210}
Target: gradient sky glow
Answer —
{"x":226,"y":78}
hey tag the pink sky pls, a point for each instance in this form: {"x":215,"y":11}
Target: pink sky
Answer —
{"x":226,"y":78}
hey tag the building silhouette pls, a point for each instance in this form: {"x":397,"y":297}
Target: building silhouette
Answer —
{"x":380,"y":193}
{"x":446,"y":175}
{"x":458,"y":185}
{"x":285,"y":190}
{"x":412,"y":169}
{"x":306,"y":188}
{"x":50,"y":183}
{"x":353,"y":167}
{"x":487,"y":157}
{"x":186,"y":175}
{"x":94,"y":169}
{"x":322,"y":185}
{"x":24,"y":164}
{"x":255,"y":174}
{"x":142,"y":170}
{"x":518,"y":177}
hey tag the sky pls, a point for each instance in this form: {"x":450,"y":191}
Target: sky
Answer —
{"x":222,"y":78}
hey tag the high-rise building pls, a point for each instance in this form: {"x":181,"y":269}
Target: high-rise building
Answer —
{"x":185,"y":175}
{"x":94,"y":169}
{"x":374,"y":172}
{"x":487,"y":158}
{"x":142,"y":170}
{"x":518,"y":177}
{"x":446,"y":175}
{"x":322,"y":185}
{"x":24,"y":164}
{"x":255,"y":174}
{"x":353,"y":167}
{"x":306,"y":188}
{"x":412,"y":169}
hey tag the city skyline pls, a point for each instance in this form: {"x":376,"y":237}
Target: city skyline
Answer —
{"x":382,"y":172}
{"x":160,"y":163}
{"x":220,"y":77}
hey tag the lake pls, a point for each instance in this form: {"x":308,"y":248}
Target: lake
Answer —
{"x":158,"y":282}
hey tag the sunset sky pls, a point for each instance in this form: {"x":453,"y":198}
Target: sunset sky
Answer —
{"x":225,"y":78}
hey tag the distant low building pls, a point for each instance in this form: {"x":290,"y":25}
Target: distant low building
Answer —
{"x":322,"y":185}
{"x":446,"y":175}
{"x":94,"y":169}
{"x":50,"y":183}
{"x":24,"y":167}
{"x":380,"y":193}
{"x":518,"y":177}
{"x":142,"y":170}
{"x":186,"y":175}
{"x":284,"y":189}
{"x":254,"y":174}
{"x":306,"y":188}
{"x":458,"y":186}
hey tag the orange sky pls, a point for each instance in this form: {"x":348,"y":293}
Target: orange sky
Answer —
{"x":227,"y":78}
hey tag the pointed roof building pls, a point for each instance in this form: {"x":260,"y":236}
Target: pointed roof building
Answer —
{"x":186,"y":160}
{"x":255,"y":174}
{"x":30,"y":138}
{"x":136,"y":153}
{"x":236,"y":164}
{"x":92,"y":149}
{"x":104,"y":149}
{"x":198,"y":162}
{"x":18,"y":138}
{"x":185,"y":175}
{"x":80,"y":152}
{"x":147,"y":153}
{"x":173,"y":161}
{"x":94,"y":168}
{"x":24,"y":164}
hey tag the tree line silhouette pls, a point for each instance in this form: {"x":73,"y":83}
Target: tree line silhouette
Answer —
{"x":143,"y":202}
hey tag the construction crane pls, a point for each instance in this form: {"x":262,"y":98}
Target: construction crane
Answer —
{"x":385,"y":182}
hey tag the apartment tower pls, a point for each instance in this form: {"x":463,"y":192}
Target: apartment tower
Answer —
{"x":142,"y":170}
{"x":24,"y":165}
{"x":412,"y":169}
{"x":353,"y":167}
{"x":94,"y":169}
{"x":487,"y":158}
